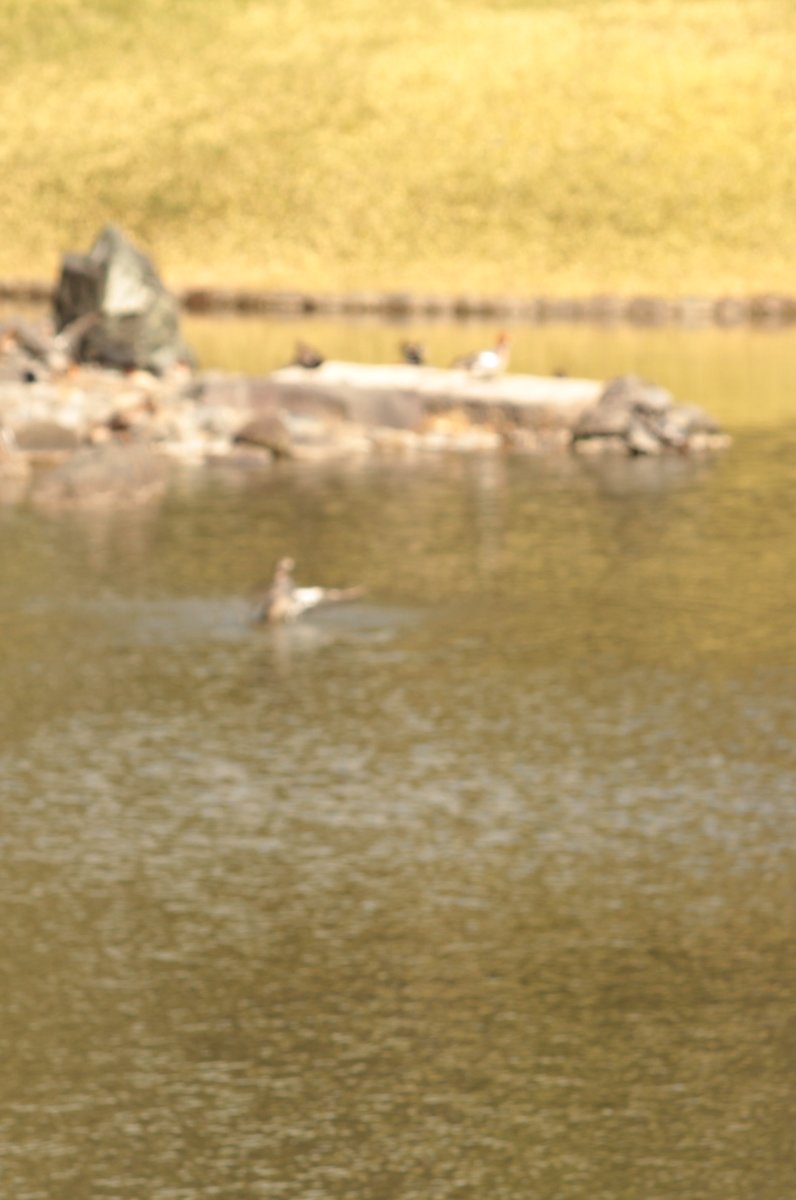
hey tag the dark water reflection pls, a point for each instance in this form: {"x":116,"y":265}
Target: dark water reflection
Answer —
{"x":480,"y":888}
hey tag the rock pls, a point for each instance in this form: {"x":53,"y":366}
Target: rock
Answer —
{"x":642,"y":439}
{"x":269,"y":431}
{"x":25,"y":351}
{"x":685,"y":420}
{"x":639,"y":418}
{"x":47,"y":438}
{"x":14,"y":474}
{"x":12,"y":464}
{"x":634,"y":391}
{"x":609,"y":444}
{"x":400,"y":410}
{"x":217,"y":388}
{"x":631,"y":392}
{"x":102,"y":474}
{"x":603,"y":421}
{"x":26,"y":338}
{"x":18,"y":371}
{"x":138,"y":321}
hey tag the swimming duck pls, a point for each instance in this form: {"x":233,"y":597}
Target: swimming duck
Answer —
{"x":284,"y":601}
{"x":487,"y":363}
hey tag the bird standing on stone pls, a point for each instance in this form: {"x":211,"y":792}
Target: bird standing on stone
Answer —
{"x":487,"y":363}
{"x":413,"y":352}
{"x":307,"y":356}
{"x":284,"y":601}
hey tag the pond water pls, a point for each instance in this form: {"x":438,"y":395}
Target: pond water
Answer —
{"x":479,"y":887}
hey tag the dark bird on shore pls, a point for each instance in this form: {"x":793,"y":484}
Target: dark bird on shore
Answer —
{"x":414,"y":353}
{"x":307,"y":356}
{"x":284,"y":601}
{"x":487,"y":363}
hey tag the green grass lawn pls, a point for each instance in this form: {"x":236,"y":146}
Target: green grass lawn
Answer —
{"x":520,"y":146}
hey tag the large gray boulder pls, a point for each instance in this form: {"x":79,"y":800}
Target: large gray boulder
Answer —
{"x":137,"y":323}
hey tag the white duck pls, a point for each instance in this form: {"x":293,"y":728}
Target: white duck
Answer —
{"x":284,"y":601}
{"x":487,"y":363}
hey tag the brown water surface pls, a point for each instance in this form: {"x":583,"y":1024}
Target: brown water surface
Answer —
{"x":481,"y":887}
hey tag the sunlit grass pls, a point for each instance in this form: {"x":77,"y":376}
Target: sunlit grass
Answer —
{"x":447,"y":145}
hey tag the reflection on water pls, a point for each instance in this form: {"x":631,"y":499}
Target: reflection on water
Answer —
{"x":480,"y":887}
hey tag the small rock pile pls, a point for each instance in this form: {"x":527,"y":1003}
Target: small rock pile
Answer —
{"x":75,"y":430}
{"x":635,"y":417}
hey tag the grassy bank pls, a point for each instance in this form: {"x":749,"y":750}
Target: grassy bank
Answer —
{"x":515,"y":146}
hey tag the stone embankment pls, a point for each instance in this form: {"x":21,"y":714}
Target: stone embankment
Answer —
{"x":82,"y":432}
